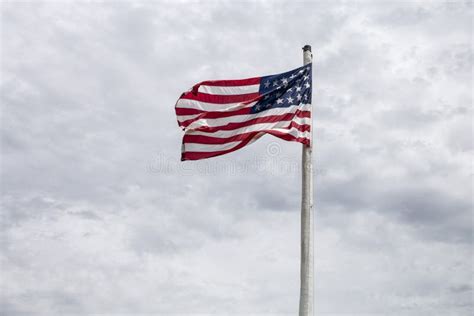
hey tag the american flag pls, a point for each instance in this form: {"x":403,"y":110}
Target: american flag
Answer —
{"x":221,"y":116}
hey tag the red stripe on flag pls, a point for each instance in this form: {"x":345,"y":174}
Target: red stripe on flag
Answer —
{"x":220,"y":99}
{"x":188,"y":111}
{"x":217,"y":114}
{"x":230,"y":83}
{"x":264,"y":119}
{"x":194,"y":155}
{"x":190,"y":155}
{"x":299,"y":127}
{"x":203,"y":139}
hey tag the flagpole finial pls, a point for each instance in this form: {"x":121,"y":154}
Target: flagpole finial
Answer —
{"x":307,"y":47}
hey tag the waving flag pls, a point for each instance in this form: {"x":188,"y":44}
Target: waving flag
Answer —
{"x":221,"y":116}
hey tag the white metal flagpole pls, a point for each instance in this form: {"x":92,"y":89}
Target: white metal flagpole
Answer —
{"x":306,"y":269}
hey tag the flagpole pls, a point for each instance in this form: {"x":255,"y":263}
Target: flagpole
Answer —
{"x":306,"y":268}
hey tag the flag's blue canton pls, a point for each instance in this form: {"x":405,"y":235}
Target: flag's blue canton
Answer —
{"x":286,"y":89}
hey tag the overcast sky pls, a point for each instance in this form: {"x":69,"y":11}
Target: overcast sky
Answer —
{"x":99,"y":216}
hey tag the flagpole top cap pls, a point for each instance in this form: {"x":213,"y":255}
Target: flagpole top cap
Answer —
{"x":307,"y":47}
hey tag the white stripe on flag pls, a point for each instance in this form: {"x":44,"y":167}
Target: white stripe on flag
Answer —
{"x":242,"y":130}
{"x":229,"y":90}
{"x":182,"y":118}
{"x":205,"y":106}
{"x":302,"y":120}
{"x":208,"y":147}
{"x":242,"y":118}
{"x":198,"y":147}
{"x":294,"y":132}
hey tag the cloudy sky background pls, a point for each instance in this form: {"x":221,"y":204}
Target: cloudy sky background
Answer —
{"x":99,"y":216}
